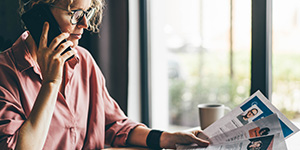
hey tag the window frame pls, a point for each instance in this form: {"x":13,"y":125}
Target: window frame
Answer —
{"x":144,"y":50}
{"x":261,"y":49}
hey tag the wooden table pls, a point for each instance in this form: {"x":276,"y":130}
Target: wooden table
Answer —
{"x":128,"y":148}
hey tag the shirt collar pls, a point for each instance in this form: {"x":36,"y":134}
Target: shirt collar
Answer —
{"x":21,"y":53}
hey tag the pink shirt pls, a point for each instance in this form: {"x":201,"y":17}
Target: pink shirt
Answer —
{"x":85,"y":116}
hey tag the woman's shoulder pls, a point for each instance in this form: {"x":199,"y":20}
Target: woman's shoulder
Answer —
{"x":83,"y":53}
{"x":85,"y":57}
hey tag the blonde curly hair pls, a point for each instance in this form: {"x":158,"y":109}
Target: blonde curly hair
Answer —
{"x":94,"y":22}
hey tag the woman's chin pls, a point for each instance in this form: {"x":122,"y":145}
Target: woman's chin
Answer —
{"x":75,"y":43}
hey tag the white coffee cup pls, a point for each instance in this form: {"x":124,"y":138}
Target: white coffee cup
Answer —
{"x":209,"y":113}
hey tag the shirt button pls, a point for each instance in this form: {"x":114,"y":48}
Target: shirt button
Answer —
{"x":73,"y":134}
{"x":72,"y":129}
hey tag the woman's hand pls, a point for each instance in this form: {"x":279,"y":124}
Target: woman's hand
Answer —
{"x":50,"y":60}
{"x":34,"y":131}
{"x":169,"y":140}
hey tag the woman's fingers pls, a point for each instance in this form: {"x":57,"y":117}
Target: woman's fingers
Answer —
{"x":62,"y":47}
{"x":57,"y":40}
{"x":201,"y":135}
{"x":68,"y":54}
{"x":201,"y":142}
{"x":50,"y":58}
{"x":169,"y":140}
{"x":194,"y":139}
{"x":56,"y":46}
{"x":44,"y":35}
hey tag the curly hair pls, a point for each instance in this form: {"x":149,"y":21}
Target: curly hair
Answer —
{"x":94,"y":22}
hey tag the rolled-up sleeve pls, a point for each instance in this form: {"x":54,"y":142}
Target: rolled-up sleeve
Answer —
{"x":11,"y":119}
{"x":117,"y":133}
{"x":117,"y":124}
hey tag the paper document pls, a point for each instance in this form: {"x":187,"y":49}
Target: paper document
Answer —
{"x":254,"y":124}
{"x":263,"y":127}
{"x":258,"y":106}
{"x":270,"y":142}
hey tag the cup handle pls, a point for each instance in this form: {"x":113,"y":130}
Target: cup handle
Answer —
{"x":227,"y":109}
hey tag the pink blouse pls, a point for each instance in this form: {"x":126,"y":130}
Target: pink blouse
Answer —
{"x":85,"y":116}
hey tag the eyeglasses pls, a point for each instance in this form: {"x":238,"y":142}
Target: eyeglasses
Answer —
{"x":78,"y":14}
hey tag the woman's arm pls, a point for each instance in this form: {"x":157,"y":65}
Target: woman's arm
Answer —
{"x":33,"y":132}
{"x":138,"y":137}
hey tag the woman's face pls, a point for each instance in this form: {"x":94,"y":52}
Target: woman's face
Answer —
{"x":63,"y":18}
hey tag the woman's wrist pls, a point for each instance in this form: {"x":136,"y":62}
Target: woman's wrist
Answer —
{"x":153,"y":139}
{"x":51,"y":82}
{"x":165,"y":139}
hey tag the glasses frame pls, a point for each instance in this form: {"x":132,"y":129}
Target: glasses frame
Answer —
{"x":74,"y":11}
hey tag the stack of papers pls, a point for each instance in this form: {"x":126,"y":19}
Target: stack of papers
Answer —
{"x":254,"y":125}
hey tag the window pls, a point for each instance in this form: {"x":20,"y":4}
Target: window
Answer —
{"x":200,"y":52}
{"x":286,"y":54}
{"x":286,"y":62}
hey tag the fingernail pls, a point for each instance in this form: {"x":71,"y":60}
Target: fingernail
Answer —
{"x":45,"y":23}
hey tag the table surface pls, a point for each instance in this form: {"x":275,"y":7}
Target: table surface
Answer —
{"x":128,"y":148}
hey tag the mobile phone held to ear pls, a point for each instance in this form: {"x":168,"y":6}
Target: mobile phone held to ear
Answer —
{"x":34,"y":20}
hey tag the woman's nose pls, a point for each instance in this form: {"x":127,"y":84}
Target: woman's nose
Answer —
{"x":83,"y":23}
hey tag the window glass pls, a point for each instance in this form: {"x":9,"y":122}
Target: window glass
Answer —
{"x":200,"y":53}
{"x":286,"y":57}
{"x":286,"y":62}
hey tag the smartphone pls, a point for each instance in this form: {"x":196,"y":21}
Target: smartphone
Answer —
{"x":34,"y":20}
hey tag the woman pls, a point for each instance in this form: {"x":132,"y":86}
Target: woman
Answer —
{"x":47,"y":102}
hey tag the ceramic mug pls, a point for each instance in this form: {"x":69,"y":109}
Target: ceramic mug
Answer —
{"x":209,"y":113}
